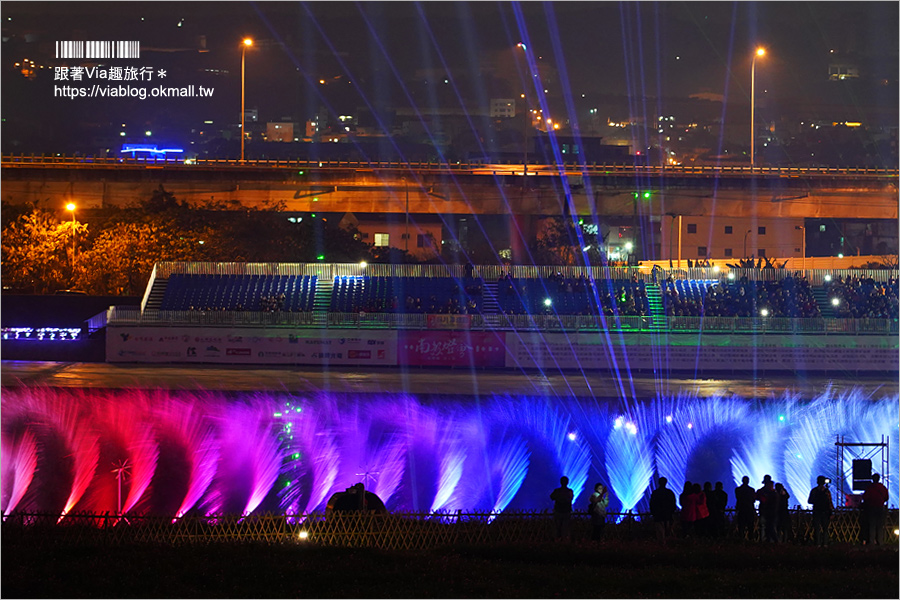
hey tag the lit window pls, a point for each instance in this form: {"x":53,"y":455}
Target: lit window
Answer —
{"x":382,"y":239}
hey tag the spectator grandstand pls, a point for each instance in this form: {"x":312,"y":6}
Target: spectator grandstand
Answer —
{"x":239,"y":293}
{"x":532,"y":292}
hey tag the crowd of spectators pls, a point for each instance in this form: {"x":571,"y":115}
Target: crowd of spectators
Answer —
{"x":790,"y":297}
{"x":573,"y":296}
{"x":863,"y":298}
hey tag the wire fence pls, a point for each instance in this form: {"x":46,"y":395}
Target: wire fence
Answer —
{"x":398,"y":531}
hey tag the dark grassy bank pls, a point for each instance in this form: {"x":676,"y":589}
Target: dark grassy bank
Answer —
{"x":612,"y":570}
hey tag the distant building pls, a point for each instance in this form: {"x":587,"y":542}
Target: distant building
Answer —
{"x":838,"y":71}
{"x":503,"y":108}
{"x":279,"y":132}
{"x":389,"y":230}
{"x":731,"y":237}
{"x":577,"y":148}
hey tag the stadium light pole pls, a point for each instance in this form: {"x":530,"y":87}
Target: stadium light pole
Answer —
{"x":244,"y":45}
{"x":71,"y":208}
{"x":760,"y":52}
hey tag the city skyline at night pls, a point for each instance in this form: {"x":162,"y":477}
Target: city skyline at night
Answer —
{"x":428,"y":72}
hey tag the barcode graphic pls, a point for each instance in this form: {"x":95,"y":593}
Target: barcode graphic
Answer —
{"x":98,"y":49}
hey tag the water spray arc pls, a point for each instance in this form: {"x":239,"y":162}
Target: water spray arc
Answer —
{"x":240,"y":453}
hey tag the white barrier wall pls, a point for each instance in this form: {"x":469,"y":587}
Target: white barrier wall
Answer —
{"x":258,"y":346}
{"x":690,"y":352}
{"x":512,"y":349}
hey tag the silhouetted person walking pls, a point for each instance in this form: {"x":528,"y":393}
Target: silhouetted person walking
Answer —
{"x":820,"y":498}
{"x":874,"y":500}
{"x":744,"y":500}
{"x":663,"y":507}
{"x":562,"y":508}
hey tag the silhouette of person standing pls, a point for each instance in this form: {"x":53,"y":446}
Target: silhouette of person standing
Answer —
{"x":598,"y":504}
{"x":768,"y":509}
{"x":717,"y":509}
{"x":874,"y":500}
{"x":562,"y":508}
{"x":663,"y":507}
{"x":687,"y":510}
{"x":820,"y":498}
{"x":696,"y":503}
{"x":783,"y":514}
{"x":744,"y":500}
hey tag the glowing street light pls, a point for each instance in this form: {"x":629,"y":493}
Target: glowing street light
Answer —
{"x":244,"y":45}
{"x":71,"y":208}
{"x":760,"y":52}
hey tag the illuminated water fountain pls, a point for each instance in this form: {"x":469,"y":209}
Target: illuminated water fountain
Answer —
{"x":217,"y":453}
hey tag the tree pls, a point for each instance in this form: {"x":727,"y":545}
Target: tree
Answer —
{"x":321,"y":236}
{"x":558,"y":243}
{"x":122,"y":257}
{"x":37,"y":251}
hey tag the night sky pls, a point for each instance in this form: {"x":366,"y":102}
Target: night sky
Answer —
{"x":388,"y":55}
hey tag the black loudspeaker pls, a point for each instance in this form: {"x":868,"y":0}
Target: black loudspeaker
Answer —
{"x":862,"y":473}
{"x":862,"y":468}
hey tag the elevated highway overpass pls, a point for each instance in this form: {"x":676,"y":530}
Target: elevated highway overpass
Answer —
{"x":483,"y":189}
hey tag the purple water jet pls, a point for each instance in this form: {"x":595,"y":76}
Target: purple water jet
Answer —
{"x":220,"y":453}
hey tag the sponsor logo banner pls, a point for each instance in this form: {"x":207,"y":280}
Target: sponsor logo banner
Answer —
{"x":451,"y":348}
{"x":252,"y":346}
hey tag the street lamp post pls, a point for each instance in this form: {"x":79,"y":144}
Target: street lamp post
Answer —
{"x":246,"y":44}
{"x":524,"y":124}
{"x":406,"y":184}
{"x":745,"y":242}
{"x":760,"y":52}
{"x":526,"y":115}
{"x":803,"y":244}
{"x":671,"y":237}
{"x":71,"y":208}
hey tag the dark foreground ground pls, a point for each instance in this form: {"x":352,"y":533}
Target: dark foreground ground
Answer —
{"x":549,"y":570}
